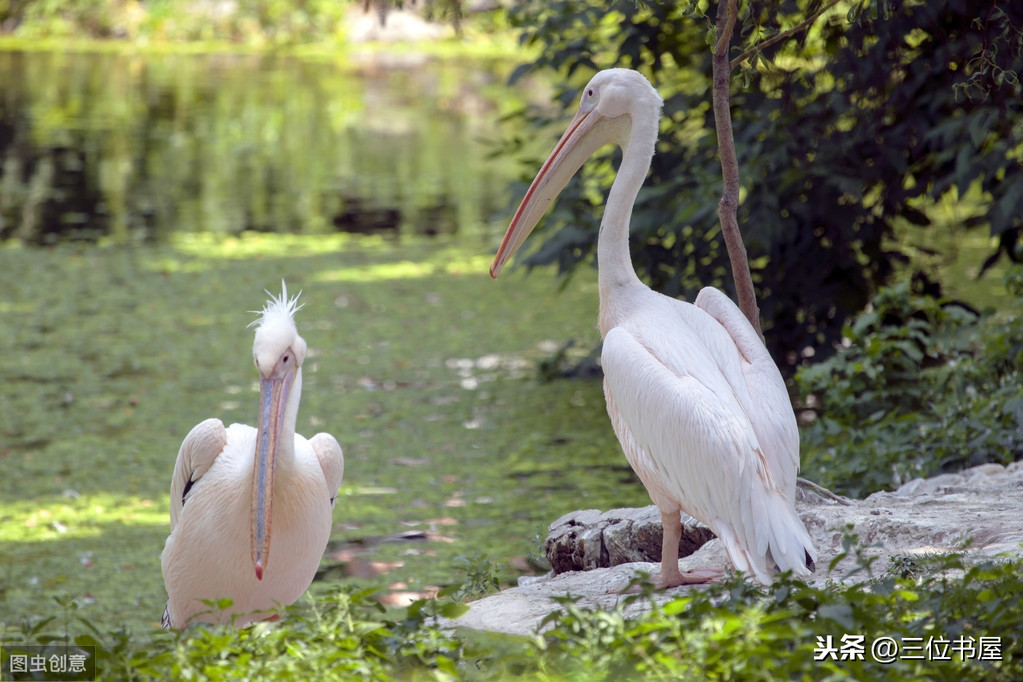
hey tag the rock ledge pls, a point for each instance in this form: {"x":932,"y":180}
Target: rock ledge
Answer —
{"x":593,"y":552}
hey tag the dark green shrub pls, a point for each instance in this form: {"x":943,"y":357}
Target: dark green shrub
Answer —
{"x":920,"y":386}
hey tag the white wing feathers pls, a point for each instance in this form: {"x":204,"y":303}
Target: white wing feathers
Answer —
{"x":694,"y":438}
{"x":332,"y":461}
{"x":766,"y":401}
{"x":677,"y":421}
{"x":198,"y":451}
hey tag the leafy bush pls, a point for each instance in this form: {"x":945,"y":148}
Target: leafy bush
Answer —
{"x":347,"y":636}
{"x":921,"y":386}
{"x":731,"y":630}
{"x":737,"y":631}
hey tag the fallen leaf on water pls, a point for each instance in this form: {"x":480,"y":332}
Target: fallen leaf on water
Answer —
{"x":399,"y":596}
{"x":359,"y":567}
{"x":410,"y":461}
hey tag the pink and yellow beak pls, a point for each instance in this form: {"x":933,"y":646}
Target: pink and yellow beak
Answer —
{"x":588,"y":132}
{"x":273,"y":399}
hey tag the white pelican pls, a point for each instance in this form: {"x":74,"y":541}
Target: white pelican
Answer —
{"x":232,"y":486}
{"x":698,"y":405}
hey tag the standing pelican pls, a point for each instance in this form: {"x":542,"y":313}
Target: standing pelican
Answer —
{"x":698,"y":405}
{"x":232,"y":486}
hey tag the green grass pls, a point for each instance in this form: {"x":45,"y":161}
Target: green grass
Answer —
{"x":419,"y":364}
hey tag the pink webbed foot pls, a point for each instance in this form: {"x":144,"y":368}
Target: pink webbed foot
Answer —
{"x":698,"y":576}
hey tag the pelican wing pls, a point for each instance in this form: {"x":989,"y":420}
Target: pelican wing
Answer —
{"x":694,"y":448}
{"x":332,"y":461}
{"x":690,"y":440}
{"x":199,"y":450}
{"x":763,"y":395}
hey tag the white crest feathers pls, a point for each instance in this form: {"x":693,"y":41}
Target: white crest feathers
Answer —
{"x":278,"y":307}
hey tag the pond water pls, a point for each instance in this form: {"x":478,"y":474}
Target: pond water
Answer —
{"x":136,"y":147}
{"x":147,"y":202}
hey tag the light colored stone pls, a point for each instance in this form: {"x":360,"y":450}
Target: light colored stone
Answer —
{"x":981,"y":507}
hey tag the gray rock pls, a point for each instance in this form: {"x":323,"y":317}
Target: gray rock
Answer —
{"x":978,"y":512}
{"x":588,"y":539}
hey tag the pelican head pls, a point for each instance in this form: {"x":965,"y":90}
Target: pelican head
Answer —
{"x":612,"y":105}
{"x":278,"y":352}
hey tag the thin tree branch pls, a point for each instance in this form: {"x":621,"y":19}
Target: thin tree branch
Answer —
{"x":728,"y":206}
{"x":822,"y":491}
{"x":725,"y":32}
{"x":779,"y":36}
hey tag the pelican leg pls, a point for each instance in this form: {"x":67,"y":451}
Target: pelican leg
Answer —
{"x":671,"y":524}
{"x":670,"y":575}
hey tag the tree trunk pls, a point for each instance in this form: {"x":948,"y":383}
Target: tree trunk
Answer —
{"x":729,"y":204}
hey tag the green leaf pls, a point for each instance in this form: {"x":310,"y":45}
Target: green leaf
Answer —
{"x":453,"y":610}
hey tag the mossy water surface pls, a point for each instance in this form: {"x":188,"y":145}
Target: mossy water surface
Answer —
{"x":421,"y":366}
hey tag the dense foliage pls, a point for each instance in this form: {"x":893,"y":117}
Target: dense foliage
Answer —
{"x":921,"y":386}
{"x":842,"y":135}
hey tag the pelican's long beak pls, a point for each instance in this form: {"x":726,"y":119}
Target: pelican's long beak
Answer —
{"x":588,"y":132}
{"x":273,"y":398}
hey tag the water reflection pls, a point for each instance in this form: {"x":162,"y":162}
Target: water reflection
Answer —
{"x":135,"y":147}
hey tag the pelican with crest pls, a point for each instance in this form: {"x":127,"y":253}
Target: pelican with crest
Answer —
{"x":233,"y":486}
{"x":696,"y":401}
